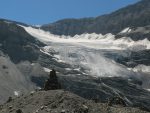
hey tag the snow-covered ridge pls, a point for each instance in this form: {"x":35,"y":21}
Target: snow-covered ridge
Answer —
{"x":93,"y":40}
{"x":47,"y":36}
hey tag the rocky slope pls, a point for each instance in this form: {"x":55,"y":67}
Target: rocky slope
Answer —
{"x":59,"y":101}
{"x":12,"y":81}
{"x":18,"y":50}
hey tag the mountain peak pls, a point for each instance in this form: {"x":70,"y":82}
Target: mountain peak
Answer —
{"x":136,"y":15}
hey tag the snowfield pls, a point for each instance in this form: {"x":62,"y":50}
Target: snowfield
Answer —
{"x":96,"y":41}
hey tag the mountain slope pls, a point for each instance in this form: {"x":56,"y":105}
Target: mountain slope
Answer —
{"x":12,"y":81}
{"x":85,"y":65}
{"x":16,"y":48}
{"x":17,"y":43}
{"x":136,"y":15}
{"x":89,"y":65}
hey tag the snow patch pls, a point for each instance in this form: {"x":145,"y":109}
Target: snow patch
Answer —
{"x":148,"y":90}
{"x":141,"y":68}
{"x":68,"y":69}
{"x":77,"y":69}
{"x":17,"y":93}
{"x":126,"y":30}
{"x":32,"y":64}
{"x":45,"y":52}
{"x":46,"y":69}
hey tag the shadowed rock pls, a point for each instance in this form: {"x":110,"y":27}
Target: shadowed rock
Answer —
{"x":52,"y":82}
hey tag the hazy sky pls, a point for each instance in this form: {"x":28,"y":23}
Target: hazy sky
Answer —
{"x":47,"y":11}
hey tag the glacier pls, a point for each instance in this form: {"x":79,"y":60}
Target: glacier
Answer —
{"x":85,"y":52}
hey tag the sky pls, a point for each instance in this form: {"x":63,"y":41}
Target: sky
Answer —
{"x":38,"y":12}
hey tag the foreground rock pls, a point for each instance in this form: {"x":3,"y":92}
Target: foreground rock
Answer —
{"x":59,"y":101}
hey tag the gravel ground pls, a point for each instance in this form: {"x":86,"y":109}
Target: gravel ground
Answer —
{"x":60,"y":101}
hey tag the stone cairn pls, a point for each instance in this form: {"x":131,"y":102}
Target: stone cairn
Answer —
{"x":52,"y":82}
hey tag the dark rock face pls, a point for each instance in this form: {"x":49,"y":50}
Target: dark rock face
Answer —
{"x":136,"y":15}
{"x":17,"y":43}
